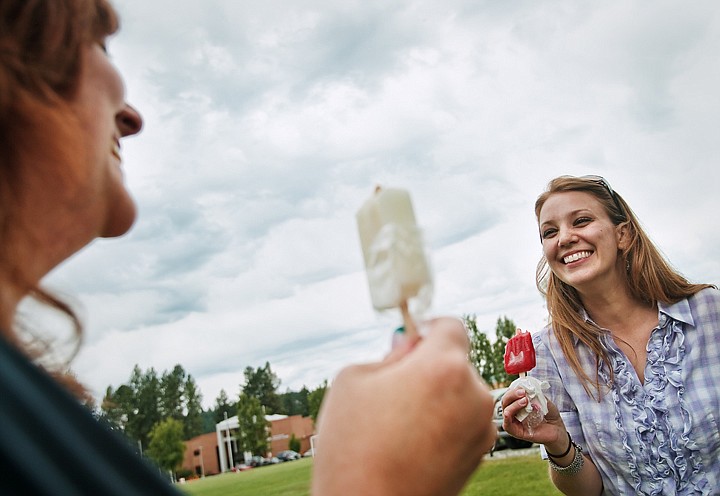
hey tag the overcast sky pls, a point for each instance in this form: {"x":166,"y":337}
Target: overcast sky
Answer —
{"x":268,"y":124}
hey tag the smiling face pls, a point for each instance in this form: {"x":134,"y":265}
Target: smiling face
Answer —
{"x":104,"y":118}
{"x":580,"y":242}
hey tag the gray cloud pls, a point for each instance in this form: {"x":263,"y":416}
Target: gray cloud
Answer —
{"x":268,"y":124}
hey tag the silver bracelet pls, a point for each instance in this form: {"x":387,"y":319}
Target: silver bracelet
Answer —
{"x":576,"y":465}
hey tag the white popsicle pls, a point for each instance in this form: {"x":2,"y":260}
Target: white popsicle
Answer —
{"x":395,"y":262}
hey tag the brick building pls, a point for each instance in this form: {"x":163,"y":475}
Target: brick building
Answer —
{"x":203,"y":456}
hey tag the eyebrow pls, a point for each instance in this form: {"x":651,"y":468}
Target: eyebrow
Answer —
{"x":574,"y":213}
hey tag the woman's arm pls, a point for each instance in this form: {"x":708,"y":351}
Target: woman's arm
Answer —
{"x":552,"y":433}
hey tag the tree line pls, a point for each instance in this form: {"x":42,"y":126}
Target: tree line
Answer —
{"x":157,"y":412}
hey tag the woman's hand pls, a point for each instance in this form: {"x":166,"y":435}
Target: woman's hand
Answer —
{"x":551,"y":432}
{"x":417,"y":423}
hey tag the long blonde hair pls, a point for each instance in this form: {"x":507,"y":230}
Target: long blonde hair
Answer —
{"x":650,"y":278}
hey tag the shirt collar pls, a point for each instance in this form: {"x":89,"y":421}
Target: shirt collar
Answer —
{"x":677,"y":311}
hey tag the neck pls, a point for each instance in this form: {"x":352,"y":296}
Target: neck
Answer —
{"x":618,"y":311}
{"x":25,"y":259}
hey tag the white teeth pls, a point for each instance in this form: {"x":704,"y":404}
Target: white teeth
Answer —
{"x":576,"y":256}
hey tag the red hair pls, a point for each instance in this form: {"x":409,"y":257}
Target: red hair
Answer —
{"x":40,"y":47}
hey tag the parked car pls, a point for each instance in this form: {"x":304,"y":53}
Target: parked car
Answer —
{"x":288,"y":455}
{"x":258,"y":461}
{"x":504,"y":439}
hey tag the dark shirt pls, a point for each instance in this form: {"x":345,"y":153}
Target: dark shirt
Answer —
{"x":51,"y":444}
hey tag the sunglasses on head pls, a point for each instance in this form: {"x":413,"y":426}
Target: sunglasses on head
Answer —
{"x":603,"y":182}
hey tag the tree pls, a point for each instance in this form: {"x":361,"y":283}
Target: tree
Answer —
{"x":145,"y":405}
{"x":295,"y":402}
{"x":252,"y":425}
{"x":166,"y":446}
{"x":504,"y":330}
{"x":315,"y":399}
{"x":193,"y":409}
{"x":134,"y":408}
{"x":481,"y":351}
{"x":487,"y":357}
{"x":208,"y":421}
{"x":172,"y":385}
{"x":223,"y":406}
{"x":116,"y":407}
{"x":262,"y":383}
{"x":294,"y":443}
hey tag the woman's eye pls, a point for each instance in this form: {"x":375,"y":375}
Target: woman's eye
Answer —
{"x":582,"y":220}
{"x":548,"y":233}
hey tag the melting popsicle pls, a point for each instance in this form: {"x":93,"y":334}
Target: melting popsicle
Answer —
{"x":519,"y":353}
{"x":395,"y":263}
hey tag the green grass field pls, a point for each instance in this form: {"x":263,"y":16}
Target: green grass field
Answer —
{"x":502,"y":477}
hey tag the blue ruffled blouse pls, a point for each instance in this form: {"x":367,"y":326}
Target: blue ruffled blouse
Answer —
{"x":660,"y":437}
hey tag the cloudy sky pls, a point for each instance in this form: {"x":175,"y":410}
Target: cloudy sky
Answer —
{"x":268,"y":124}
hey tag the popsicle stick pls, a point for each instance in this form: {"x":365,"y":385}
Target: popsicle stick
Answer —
{"x":408,"y":322}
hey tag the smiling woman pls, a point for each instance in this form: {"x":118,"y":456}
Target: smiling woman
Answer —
{"x":62,"y":115}
{"x":626,"y":353}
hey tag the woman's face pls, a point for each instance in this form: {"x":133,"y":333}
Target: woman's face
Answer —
{"x":105,"y":118}
{"x":580,"y":242}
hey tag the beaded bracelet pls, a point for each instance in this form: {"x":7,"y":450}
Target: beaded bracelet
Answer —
{"x":574,"y":467}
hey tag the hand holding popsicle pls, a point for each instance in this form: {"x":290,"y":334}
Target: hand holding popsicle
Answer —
{"x":396,"y":267}
{"x":520,"y":359}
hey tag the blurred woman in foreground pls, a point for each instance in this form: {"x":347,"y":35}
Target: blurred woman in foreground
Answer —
{"x":62,"y":117}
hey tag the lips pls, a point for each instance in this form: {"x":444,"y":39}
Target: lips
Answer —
{"x":574,"y":257}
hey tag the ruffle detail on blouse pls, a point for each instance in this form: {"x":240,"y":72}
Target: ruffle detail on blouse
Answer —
{"x":624,"y":391}
{"x":658,"y":453}
{"x":678,"y":454}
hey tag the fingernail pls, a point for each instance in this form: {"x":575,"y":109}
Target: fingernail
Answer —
{"x":399,"y":337}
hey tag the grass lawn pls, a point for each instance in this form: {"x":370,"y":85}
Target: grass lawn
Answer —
{"x":498,"y":477}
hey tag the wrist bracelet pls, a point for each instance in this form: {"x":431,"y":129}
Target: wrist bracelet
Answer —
{"x":570,"y":443}
{"x":574,"y":467}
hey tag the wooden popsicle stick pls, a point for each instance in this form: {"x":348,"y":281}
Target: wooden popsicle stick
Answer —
{"x":408,"y":322}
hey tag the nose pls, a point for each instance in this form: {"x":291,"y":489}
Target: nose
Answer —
{"x":129,"y":121}
{"x":566,"y":237}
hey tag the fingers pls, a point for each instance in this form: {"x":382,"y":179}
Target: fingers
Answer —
{"x":402,"y":344}
{"x":446,"y":333}
{"x":435,"y":335}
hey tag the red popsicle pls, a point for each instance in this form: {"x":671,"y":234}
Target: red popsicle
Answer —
{"x":519,"y":353}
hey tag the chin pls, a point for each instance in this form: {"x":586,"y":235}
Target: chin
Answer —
{"x":120,"y":219}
